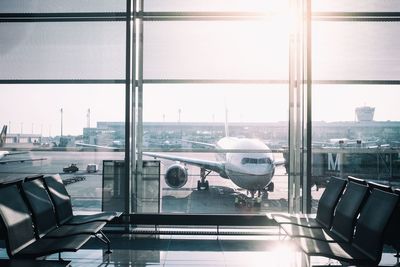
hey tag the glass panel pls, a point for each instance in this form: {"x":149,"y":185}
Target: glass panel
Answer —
{"x":71,"y":50}
{"x":356,"y":131}
{"x":356,"y":51}
{"x":216,"y":50}
{"x":187,"y":121}
{"x":356,"y":6}
{"x":34,"y":120}
{"x":49,"y":6}
{"x":215,"y":5}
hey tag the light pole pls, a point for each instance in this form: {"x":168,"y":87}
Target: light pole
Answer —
{"x":61,"y":110}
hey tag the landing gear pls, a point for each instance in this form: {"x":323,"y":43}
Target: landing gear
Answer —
{"x":203,"y":184}
{"x":270,"y":187}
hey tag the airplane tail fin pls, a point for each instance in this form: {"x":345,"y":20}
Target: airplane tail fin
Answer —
{"x":226,"y":123}
{"x":3,"y":135}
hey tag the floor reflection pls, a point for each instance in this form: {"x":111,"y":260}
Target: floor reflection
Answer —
{"x":211,"y":250}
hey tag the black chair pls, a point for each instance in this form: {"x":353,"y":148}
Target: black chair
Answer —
{"x":20,"y":237}
{"x":356,"y":180}
{"x":383,"y":187}
{"x":392,"y":233}
{"x":344,"y":219}
{"x":63,"y":207}
{"x":33,"y":263}
{"x":367,"y":244}
{"x":45,"y":219}
{"x":326,"y":207}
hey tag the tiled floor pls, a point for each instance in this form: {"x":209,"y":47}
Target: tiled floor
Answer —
{"x":171,"y":250}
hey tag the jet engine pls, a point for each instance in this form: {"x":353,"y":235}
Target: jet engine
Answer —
{"x":176,"y":176}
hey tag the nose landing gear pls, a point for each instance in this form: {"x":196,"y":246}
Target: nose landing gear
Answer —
{"x":242,"y":200}
{"x":203,"y":184}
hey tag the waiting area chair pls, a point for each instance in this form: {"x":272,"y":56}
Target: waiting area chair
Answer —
{"x":45,"y":219}
{"x":344,"y":219}
{"x":326,"y":207}
{"x":63,"y":207}
{"x":21,"y":241}
{"x":365,"y":248}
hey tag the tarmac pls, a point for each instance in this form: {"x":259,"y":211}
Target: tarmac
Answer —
{"x":86,"y":193}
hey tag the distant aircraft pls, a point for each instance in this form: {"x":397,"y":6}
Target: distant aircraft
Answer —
{"x":5,"y":153}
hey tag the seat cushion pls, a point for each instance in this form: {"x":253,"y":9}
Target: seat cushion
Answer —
{"x":313,"y":233}
{"x":339,"y":251}
{"x":43,"y":247}
{"x":70,"y":230}
{"x":102,"y":216}
{"x":301,"y":219}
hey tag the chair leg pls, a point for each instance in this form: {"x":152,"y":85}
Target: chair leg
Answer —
{"x":103,"y":238}
{"x":280,"y":233}
{"x":397,"y":255}
{"x":305,"y":260}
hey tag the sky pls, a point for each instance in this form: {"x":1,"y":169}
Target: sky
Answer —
{"x":39,"y":105}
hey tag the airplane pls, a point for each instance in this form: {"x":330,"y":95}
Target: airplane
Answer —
{"x":5,"y":153}
{"x":252,"y":171}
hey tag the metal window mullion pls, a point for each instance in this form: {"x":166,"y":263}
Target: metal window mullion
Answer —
{"x":308,"y":68}
{"x":214,"y":81}
{"x":127,"y":192}
{"x":139,"y":132}
{"x":62,"y":81}
{"x":133,"y":110}
{"x":292,"y":130}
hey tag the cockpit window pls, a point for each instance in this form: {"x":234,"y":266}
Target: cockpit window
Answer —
{"x":256,"y":161}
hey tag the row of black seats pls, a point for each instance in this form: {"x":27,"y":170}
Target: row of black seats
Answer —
{"x":36,"y":214}
{"x":354,"y":218}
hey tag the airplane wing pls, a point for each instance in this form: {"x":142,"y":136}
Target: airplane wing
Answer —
{"x":20,"y":160}
{"x":218,"y":167}
{"x":279,"y":162}
{"x":97,"y":146}
{"x":8,"y":153}
{"x":199,"y":143}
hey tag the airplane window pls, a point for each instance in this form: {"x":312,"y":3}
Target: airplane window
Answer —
{"x":262,"y":161}
{"x":256,"y":161}
{"x":253,"y":161}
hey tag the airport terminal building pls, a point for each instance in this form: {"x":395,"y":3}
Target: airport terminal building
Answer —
{"x":197,"y":120}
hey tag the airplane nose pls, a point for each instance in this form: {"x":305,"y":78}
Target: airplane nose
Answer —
{"x":264,"y":169}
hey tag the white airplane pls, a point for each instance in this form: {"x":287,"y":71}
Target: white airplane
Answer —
{"x":5,"y":153}
{"x":248,"y":170}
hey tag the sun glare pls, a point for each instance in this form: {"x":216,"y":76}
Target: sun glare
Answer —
{"x":283,"y":254}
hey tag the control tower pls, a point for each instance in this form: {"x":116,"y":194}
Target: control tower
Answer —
{"x":365,"y":113}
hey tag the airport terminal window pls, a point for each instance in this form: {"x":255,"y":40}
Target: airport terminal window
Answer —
{"x":59,"y":6}
{"x":215,"y":5}
{"x":230,"y":50}
{"x":62,"y":50}
{"x":192,"y":72}
{"x":190,"y":125}
{"x":355,"y":6}
{"x":355,"y":50}
{"x":354,"y":96}
{"x":57,"y":129}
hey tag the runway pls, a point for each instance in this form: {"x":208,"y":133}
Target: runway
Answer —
{"x":87,"y":194}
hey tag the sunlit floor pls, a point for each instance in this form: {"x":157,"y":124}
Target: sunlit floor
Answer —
{"x":173,"y":250}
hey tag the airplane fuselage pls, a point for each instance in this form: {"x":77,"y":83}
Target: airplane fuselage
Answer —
{"x":248,"y":170}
